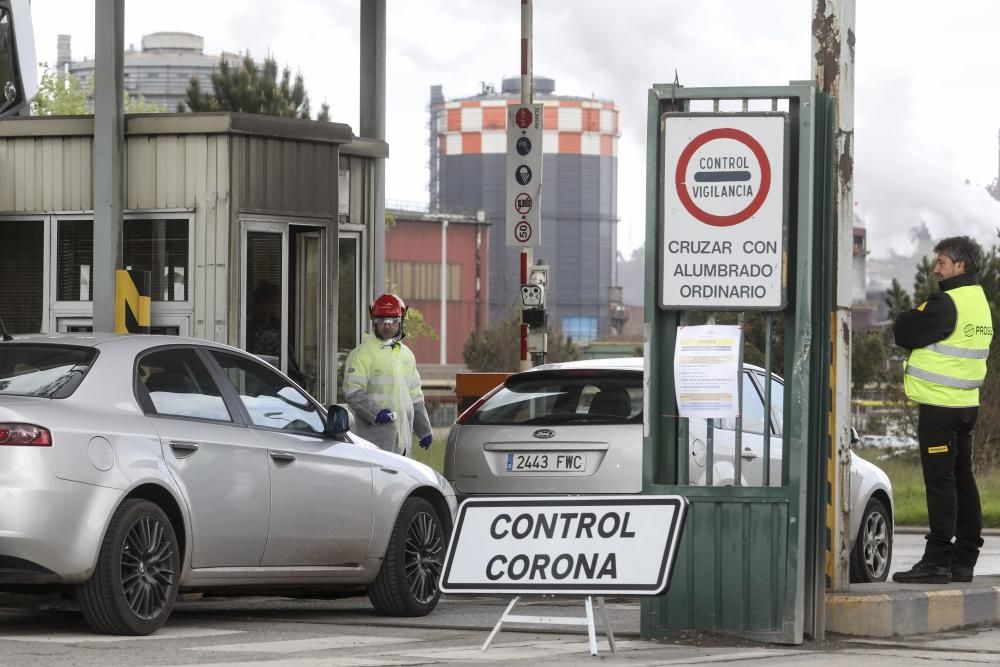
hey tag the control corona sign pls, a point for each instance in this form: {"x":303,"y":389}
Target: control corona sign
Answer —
{"x":575,"y":545}
{"x":724,"y":211}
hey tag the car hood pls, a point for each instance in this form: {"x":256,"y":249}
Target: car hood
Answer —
{"x":420,"y":472}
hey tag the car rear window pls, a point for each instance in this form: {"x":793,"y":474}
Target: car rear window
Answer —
{"x":563,"y":398}
{"x":51,"y":371}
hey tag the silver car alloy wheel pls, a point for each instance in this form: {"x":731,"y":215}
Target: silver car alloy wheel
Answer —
{"x":875,"y":536}
{"x":146,"y":572}
{"x":423,"y":557}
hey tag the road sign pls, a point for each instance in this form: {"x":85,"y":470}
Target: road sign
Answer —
{"x":583,"y":545}
{"x":524,"y":174}
{"x":522,"y":203}
{"x":724,"y":204}
{"x":522,"y":232}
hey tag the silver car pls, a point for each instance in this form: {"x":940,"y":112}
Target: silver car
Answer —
{"x":576,"y":427}
{"x":132,"y":467}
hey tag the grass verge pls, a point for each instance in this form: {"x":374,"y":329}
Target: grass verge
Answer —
{"x":903,"y":469}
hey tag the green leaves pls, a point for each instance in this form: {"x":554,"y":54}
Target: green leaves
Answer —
{"x":64,"y":95}
{"x":250,"y":89}
{"x":498,"y":348}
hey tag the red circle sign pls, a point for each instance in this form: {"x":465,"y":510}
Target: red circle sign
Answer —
{"x":524,"y":117}
{"x":680,"y":177}
{"x":523,"y":203}
{"x":522,"y":232}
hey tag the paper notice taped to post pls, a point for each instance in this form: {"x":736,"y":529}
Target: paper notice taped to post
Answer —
{"x":706,"y":367}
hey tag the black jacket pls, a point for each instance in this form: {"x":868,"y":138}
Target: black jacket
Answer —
{"x":919,"y":328}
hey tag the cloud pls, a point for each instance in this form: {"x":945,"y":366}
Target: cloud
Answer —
{"x":925,"y":101}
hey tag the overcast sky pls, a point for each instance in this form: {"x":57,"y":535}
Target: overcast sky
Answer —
{"x":927,"y":94}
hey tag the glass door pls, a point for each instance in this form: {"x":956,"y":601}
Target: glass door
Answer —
{"x":350,"y":307}
{"x":283,"y":298}
{"x":265,"y":279}
{"x":306,"y":290}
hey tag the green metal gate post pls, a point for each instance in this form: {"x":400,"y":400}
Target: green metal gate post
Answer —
{"x":751,"y":560}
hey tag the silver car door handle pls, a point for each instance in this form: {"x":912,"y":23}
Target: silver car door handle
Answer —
{"x":748,"y":454}
{"x":282,"y":458}
{"x":183,"y":449}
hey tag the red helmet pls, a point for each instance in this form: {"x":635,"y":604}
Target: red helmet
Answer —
{"x":388,"y":305}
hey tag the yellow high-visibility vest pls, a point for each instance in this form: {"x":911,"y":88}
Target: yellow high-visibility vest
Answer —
{"x":949,"y":373}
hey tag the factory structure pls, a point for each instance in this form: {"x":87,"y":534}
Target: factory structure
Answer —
{"x":160,"y":70}
{"x":579,"y":200}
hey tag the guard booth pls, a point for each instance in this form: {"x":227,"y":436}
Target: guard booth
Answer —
{"x":739,"y":233}
{"x":256,"y":230}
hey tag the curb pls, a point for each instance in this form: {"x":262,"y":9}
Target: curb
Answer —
{"x":883,"y":610}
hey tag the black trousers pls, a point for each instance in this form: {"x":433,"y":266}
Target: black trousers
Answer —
{"x":953,"y":508}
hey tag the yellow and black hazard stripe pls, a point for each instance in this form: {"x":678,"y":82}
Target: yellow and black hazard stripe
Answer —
{"x":132,"y":301}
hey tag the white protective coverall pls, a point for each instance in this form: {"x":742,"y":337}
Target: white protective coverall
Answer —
{"x":380,"y":375}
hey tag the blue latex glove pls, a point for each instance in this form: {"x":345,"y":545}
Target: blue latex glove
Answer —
{"x":425,"y":442}
{"x":384,"y":416}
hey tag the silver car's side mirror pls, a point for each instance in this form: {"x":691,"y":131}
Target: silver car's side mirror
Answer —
{"x":18,"y":70}
{"x":338,"y":421}
{"x":855,"y":438}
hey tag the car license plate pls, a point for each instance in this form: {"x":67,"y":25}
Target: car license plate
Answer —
{"x":547,"y":462}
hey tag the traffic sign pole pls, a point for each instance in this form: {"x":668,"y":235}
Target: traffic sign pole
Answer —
{"x":526,"y":95}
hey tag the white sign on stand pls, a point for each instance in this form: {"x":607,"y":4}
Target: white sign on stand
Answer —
{"x":724,"y":210}
{"x":524,"y":174}
{"x":577,"y":545}
{"x":573,"y":545}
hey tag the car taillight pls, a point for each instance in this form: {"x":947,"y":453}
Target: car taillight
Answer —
{"x":475,"y":406}
{"x":24,"y":435}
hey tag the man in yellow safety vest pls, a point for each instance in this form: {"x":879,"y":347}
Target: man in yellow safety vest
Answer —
{"x":949,"y":341}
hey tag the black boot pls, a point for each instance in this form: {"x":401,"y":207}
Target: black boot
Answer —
{"x":924,"y":573}
{"x":961,"y":573}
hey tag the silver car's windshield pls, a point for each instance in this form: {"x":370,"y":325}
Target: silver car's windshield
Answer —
{"x":592,"y":397}
{"x":52,"y":371}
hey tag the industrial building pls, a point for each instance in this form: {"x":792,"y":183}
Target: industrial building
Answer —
{"x":579,"y":201}
{"x":256,"y":231}
{"x":419,"y":248}
{"x":160,"y":71}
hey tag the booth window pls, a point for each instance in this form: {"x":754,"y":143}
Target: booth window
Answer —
{"x":160,"y":247}
{"x":344,"y":191}
{"x":157,"y":246}
{"x":22,"y":275}
{"x":75,"y":260}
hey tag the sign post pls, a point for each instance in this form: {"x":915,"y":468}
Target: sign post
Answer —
{"x":724,"y":216}
{"x":524,"y":174}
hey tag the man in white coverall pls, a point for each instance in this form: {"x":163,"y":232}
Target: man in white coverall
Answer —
{"x":382,"y":385}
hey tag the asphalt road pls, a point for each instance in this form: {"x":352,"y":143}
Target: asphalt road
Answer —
{"x":266,"y":632}
{"x":278,"y":632}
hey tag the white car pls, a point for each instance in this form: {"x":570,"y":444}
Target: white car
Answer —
{"x":576,"y":428}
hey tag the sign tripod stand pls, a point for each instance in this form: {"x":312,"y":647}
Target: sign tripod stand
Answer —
{"x":588,"y":621}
